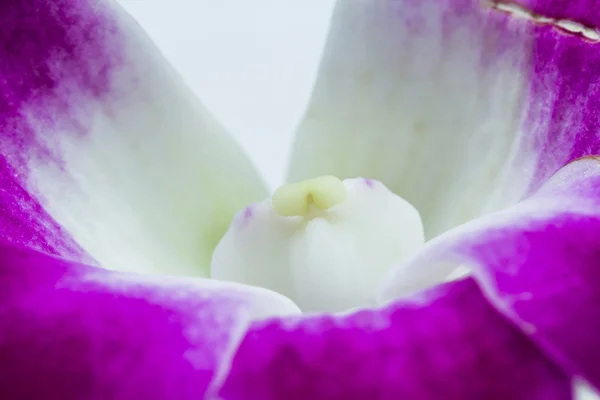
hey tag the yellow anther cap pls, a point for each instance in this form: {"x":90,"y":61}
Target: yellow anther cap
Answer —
{"x":295,"y":199}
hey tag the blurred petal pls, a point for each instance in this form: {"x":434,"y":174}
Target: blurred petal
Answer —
{"x":331,"y":261}
{"x":69,"y":331}
{"x":448,"y":343}
{"x":538,"y":263}
{"x":97,"y":128}
{"x":457,"y":107}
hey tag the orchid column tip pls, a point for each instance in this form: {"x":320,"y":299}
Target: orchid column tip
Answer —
{"x":298,"y":199}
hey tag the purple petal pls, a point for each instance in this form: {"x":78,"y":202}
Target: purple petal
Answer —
{"x":586,"y":12}
{"x":97,"y":130}
{"x":69,"y":331}
{"x":538,"y":263}
{"x":447,"y":344}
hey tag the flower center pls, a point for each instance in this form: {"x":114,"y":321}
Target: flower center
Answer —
{"x":304,"y":198}
{"x":325,"y":243}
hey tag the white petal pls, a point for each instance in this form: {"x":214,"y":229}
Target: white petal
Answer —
{"x":583,"y":391}
{"x":106,"y":136}
{"x":331,"y":262}
{"x":421,"y":95}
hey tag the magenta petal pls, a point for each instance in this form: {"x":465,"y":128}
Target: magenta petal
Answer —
{"x":546,"y":277}
{"x":449,"y":344}
{"x":564,"y":96}
{"x":555,"y":296}
{"x":539,"y":264}
{"x":72,"y":332}
{"x":586,"y":12}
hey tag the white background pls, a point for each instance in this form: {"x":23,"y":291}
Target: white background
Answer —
{"x":252,"y":62}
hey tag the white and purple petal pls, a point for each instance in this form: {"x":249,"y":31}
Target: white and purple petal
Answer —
{"x":98,"y":129}
{"x":24,"y":222}
{"x":425,"y":96}
{"x":538,"y":263}
{"x":70,"y":331}
{"x":456,"y":106}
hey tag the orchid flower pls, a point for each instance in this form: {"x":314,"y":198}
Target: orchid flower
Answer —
{"x":442,"y":135}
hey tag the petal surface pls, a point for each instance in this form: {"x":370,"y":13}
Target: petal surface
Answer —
{"x":69,"y":331}
{"x":447,"y":343}
{"x":98,"y":130}
{"x":564,"y":95}
{"x":24,"y":222}
{"x":538,"y":264}
{"x":458,"y":107}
